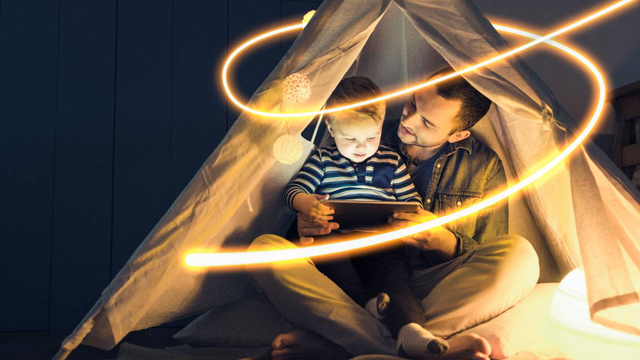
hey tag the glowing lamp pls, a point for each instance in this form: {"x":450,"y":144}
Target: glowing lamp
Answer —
{"x":579,"y":337}
{"x":287,"y":149}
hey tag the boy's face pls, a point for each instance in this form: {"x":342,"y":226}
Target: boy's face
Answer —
{"x":356,"y":140}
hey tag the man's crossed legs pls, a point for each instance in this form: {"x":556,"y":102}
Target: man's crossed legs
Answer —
{"x":457,"y":295}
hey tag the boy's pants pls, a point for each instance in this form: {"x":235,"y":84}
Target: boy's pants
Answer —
{"x":456,"y":295}
{"x":363,"y":277}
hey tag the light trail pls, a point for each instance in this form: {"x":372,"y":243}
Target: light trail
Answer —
{"x":538,"y":40}
{"x":261,"y":257}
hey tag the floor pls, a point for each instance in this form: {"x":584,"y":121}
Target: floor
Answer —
{"x":43,"y":345}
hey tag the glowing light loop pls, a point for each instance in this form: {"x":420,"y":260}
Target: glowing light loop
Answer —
{"x":537,"y":40}
{"x":261,"y":257}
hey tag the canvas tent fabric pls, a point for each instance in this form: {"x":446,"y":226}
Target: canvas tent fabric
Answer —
{"x":586,"y":213}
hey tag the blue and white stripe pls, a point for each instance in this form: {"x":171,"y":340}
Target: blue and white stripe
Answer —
{"x":384,"y":178}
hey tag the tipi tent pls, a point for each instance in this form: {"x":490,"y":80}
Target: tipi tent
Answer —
{"x":586,"y":213}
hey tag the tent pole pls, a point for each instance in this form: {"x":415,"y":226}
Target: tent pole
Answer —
{"x":62,"y":354}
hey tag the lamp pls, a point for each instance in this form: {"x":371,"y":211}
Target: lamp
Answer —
{"x":577,"y":336}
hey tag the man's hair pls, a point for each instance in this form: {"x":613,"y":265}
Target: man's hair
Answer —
{"x":474,"y":104}
{"x":355,"y":89}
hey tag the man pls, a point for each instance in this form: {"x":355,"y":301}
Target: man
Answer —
{"x":465,"y":272}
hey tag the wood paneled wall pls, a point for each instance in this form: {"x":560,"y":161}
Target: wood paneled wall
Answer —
{"x":107,"y":108}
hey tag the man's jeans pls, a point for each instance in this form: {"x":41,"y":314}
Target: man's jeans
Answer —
{"x":456,"y":295}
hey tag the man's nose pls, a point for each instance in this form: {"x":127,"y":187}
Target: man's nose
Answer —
{"x":407,"y":109}
{"x":409,"y":119}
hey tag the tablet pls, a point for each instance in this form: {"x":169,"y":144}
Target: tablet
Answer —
{"x":352,"y":214}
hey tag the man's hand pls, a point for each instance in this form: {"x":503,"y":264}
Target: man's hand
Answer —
{"x":438,"y":239}
{"x":313,"y":209}
{"x":308,"y":228}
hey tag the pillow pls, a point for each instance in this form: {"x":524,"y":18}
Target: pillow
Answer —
{"x":523,"y":328}
{"x":251,"y":322}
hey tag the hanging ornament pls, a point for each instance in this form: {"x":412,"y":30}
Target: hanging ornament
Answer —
{"x":307,"y":17}
{"x":287,"y":149}
{"x":297,"y":88}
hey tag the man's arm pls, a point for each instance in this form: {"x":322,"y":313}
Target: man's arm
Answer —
{"x":492,"y":221}
{"x":437,"y":239}
{"x":307,"y":228}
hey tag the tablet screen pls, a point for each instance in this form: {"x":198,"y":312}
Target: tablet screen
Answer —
{"x":352,"y":214}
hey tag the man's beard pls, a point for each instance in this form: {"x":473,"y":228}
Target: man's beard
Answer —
{"x":428,"y":146}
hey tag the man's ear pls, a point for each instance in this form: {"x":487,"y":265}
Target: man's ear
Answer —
{"x":326,"y":122}
{"x":459,"y":135}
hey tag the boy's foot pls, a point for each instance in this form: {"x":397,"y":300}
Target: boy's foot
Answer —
{"x":302,"y":344}
{"x":417,"y":342}
{"x":465,"y":347}
{"x":378,"y":306}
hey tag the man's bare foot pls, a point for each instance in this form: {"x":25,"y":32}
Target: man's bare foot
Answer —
{"x":468,"y":347}
{"x":464,"y":347}
{"x":302,"y":344}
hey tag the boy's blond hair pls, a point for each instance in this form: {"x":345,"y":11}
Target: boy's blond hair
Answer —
{"x":355,"y":89}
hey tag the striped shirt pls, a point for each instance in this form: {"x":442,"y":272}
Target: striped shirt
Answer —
{"x":382,"y":177}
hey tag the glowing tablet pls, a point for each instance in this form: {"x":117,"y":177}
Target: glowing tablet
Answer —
{"x":352,"y":214}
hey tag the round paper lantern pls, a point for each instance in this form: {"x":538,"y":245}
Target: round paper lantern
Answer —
{"x":297,"y":88}
{"x":579,"y":337}
{"x":287,"y":149}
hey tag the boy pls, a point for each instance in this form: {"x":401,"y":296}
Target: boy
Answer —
{"x":358,"y":168}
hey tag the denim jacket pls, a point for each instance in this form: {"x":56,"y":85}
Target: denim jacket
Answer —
{"x":464,"y":173}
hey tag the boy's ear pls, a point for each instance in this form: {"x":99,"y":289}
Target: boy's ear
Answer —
{"x":326,"y":122}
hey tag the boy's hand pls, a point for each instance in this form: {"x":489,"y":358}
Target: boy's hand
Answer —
{"x":311,"y":207}
{"x":439,"y":238}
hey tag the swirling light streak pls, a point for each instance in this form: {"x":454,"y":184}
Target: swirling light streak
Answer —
{"x":261,"y":257}
{"x":408,"y":90}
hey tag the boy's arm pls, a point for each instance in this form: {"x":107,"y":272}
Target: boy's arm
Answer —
{"x":402,"y":185}
{"x":307,"y":180}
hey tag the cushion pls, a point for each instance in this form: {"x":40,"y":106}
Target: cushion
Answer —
{"x":251,"y":322}
{"x":522,"y":329}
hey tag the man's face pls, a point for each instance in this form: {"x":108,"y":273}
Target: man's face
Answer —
{"x":427,"y":119}
{"x":356,"y":140}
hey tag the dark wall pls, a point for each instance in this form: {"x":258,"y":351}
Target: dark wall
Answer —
{"x":107,"y":108}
